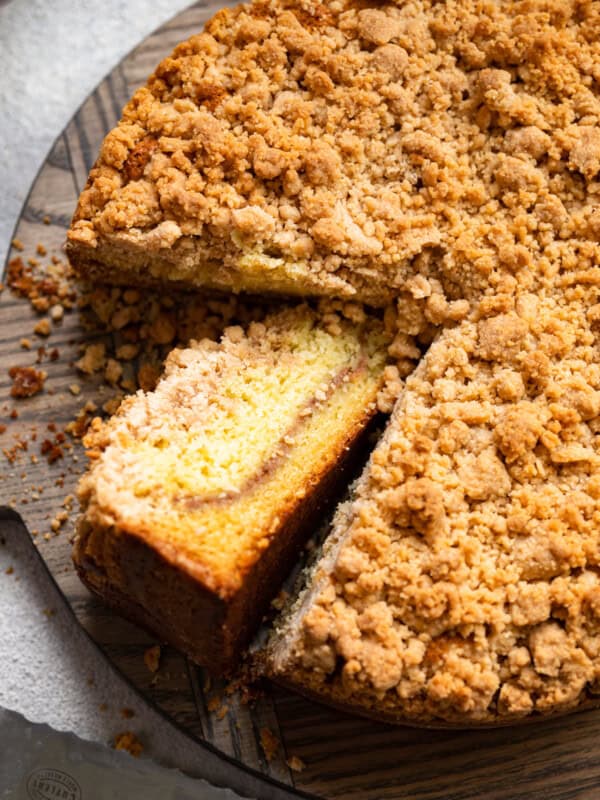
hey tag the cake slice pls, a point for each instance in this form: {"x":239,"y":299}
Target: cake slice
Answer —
{"x":461,"y":583}
{"x":202,"y":492}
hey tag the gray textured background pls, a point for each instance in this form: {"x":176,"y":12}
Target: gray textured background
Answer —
{"x":52,"y":53}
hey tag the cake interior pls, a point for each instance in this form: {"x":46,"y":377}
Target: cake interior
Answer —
{"x":206,"y":468}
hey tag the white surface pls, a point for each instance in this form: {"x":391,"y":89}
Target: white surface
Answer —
{"x":51,"y":55}
{"x":51,"y":672}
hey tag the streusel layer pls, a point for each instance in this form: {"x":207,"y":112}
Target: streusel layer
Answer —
{"x":319,"y":148}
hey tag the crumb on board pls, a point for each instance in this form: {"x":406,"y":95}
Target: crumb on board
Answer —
{"x":152,"y":658}
{"x":296,"y":764}
{"x":42,"y":328}
{"x":42,"y":286}
{"x":93,"y":359}
{"x":53,"y":449}
{"x":129,"y":742}
{"x":59,"y":520}
{"x":269,"y":743}
{"x":214,"y":704}
{"x":57,"y":312}
{"x":27,"y":381}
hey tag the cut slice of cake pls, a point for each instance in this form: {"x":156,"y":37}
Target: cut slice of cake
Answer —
{"x":202,"y":492}
{"x":461,"y":584}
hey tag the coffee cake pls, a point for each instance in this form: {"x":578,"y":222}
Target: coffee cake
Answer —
{"x":442,"y":160}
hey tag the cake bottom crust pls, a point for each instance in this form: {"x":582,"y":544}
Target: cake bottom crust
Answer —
{"x":430,"y":722}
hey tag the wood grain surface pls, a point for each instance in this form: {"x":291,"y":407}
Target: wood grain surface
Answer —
{"x":344,"y":756}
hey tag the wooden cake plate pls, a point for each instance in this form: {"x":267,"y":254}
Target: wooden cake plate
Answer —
{"x":344,"y":756}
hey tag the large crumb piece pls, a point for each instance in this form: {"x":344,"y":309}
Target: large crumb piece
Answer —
{"x":27,"y":381}
{"x":152,"y":658}
{"x":129,"y":742}
{"x":295,"y":763}
{"x":269,"y":743}
{"x":93,"y":359}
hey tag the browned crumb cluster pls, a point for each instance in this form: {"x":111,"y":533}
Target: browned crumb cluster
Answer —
{"x":152,"y":658}
{"x":26,"y":381}
{"x":129,"y":742}
{"x":47,"y":289}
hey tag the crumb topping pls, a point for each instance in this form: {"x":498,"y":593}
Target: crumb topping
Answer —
{"x":460,"y":584}
{"x":350,"y":142}
{"x":128,"y":741}
{"x":464,"y":582}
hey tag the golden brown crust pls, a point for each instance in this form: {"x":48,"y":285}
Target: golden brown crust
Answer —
{"x":128,"y":571}
{"x":166,"y":596}
{"x":136,"y":581}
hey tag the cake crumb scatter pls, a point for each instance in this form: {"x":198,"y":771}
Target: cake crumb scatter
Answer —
{"x":295,"y":763}
{"x":269,"y":743}
{"x":129,"y":742}
{"x":152,"y":658}
{"x":27,"y":381}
